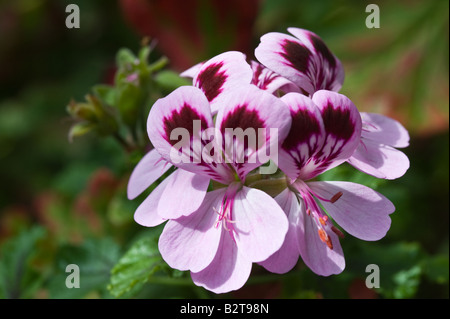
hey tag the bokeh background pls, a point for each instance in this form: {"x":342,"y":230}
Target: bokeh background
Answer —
{"x":64,"y":201}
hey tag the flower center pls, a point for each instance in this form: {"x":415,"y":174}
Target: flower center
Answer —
{"x":225,"y":211}
{"x":314,"y":211}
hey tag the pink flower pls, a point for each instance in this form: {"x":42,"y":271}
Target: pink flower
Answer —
{"x":219,"y":74}
{"x":230,"y":70}
{"x":235,"y":225}
{"x":306,"y":61}
{"x":204,"y":131}
{"x":325,"y":131}
{"x":222,"y":73}
{"x":302,"y":58}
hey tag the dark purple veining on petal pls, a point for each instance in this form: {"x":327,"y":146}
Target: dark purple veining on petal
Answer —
{"x":340,"y":126}
{"x":237,"y":144}
{"x":262,"y":77}
{"x":296,"y":54}
{"x":304,"y":125}
{"x":184,"y":118}
{"x":211,"y":80}
{"x":321,"y":48}
{"x":243,"y":118}
{"x":257,"y":71}
{"x":338,"y":122}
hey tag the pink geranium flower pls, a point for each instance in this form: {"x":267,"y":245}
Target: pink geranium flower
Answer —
{"x":325,"y":132}
{"x":302,"y":58}
{"x":306,"y":61}
{"x":218,"y":225}
{"x":235,"y":225}
{"x":230,"y":69}
{"x":224,"y":72}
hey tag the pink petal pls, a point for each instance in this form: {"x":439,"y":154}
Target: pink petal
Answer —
{"x":287,"y":256}
{"x":183,"y":195}
{"x":228,"y":271}
{"x":221,"y":73}
{"x":186,"y":116}
{"x":330,"y":72}
{"x":305,"y":138}
{"x":192,"y":71}
{"x":379,"y":160}
{"x":147,"y":171}
{"x":384,"y":130}
{"x":361,"y":211}
{"x":191,"y":242}
{"x":177,"y":110}
{"x":260,"y":224}
{"x":315,"y":253}
{"x":303,"y":59}
{"x":270,"y":81}
{"x":287,"y":56}
{"x":342,"y":123}
{"x":147,"y":214}
{"x":262,"y":115}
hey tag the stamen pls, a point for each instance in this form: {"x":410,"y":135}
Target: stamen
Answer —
{"x":323,"y":220}
{"x":325,"y":238}
{"x":336,"y":197}
{"x":337,"y":232}
{"x":225,"y":226}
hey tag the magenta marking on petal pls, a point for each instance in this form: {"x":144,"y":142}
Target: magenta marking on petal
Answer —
{"x":184,"y":118}
{"x":243,"y":118}
{"x":296,"y":54}
{"x":321,"y":47}
{"x":211,"y":80}
{"x":338,"y":122}
{"x":257,"y":71}
{"x":303,"y":126}
{"x":262,"y":77}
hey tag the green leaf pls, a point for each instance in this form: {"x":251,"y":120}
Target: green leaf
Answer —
{"x":400,"y":267}
{"x":136,"y":267}
{"x":125,"y":57}
{"x":95,"y":259}
{"x":407,"y":282}
{"x":129,"y":97}
{"x":105,"y":93}
{"x":17,"y":277}
{"x":80,"y":129}
{"x":436,"y":268}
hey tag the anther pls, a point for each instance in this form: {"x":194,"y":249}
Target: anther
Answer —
{"x":325,"y":238}
{"x":336,"y":197}
{"x":337,"y":232}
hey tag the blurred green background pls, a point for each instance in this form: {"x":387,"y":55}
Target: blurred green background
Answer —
{"x":65,"y":202}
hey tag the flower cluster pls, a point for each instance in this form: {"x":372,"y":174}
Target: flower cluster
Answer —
{"x":226,"y":208}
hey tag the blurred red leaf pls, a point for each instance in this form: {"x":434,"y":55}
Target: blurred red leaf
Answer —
{"x":182,"y":33}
